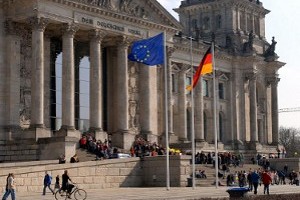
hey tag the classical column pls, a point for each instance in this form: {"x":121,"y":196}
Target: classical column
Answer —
{"x":170,"y":89}
{"x":96,"y":80}
{"x":182,"y":112}
{"x":37,"y":86}
{"x":253,"y":108}
{"x":122,"y":103}
{"x":274,"y":95}
{"x":198,"y":106}
{"x":68,"y":78}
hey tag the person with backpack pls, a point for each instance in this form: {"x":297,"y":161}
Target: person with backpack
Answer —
{"x":47,"y":183}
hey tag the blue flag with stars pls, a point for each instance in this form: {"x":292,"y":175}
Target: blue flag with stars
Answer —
{"x":148,"y":51}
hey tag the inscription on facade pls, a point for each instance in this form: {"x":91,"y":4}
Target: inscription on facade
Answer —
{"x":108,"y":25}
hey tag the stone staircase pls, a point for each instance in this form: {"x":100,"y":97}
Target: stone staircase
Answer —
{"x":19,"y":150}
{"x":210,"y":174}
{"x":84,"y":155}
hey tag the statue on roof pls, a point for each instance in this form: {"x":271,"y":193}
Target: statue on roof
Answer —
{"x":248,"y":46}
{"x":270,"y":52}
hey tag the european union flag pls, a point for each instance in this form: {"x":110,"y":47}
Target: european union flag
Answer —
{"x":148,"y":51}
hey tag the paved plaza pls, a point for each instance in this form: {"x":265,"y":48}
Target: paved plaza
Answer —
{"x":186,"y":193}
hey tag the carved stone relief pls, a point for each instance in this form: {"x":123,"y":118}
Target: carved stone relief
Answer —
{"x":131,"y":7}
{"x":133,"y":98}
{"x":25,"y":74}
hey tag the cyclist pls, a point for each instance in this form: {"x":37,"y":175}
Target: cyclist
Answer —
{"x":65,"y":183}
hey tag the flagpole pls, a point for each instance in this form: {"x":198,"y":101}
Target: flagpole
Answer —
{"x":192,"y":125}
{"x":215,"y":114}
{"x":166,"y":114}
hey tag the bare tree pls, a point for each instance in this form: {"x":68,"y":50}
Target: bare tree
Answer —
{"x":289,"y":139}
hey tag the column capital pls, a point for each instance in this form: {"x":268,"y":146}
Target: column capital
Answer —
{"x":10,"y":27}
{"x":69,"y":29}
{"x":39,"y":24}
{"x":272,"y":81}
{"x":123,"y":41}
{"x":97,"y":35}
{"x":250,"y":76}
{"x":170,"y":51}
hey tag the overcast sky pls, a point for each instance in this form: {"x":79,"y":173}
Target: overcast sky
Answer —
{"x":283,"y":23}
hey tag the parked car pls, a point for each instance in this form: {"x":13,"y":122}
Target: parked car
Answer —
{"x":120,"y":155}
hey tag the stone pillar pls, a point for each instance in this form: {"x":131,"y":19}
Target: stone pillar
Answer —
{"x":9,"y":80}
{"x":37,"y":84}
{"x":182,"y":112}
{"x":198,"y":108}
{"x":170,"y":93}
{"x":253,"y":108}
{"x":96,"y":84}
{"x":68,"y":80}
{"x":148,"y":102}
{"x":274,"y":103}
{"x":260,"y":128}
{"x":121,"y":138}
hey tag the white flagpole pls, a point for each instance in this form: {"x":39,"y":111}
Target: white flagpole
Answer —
{"x":215,"y":115}
{"x":192,"y":124}
{"x":166,"y":114}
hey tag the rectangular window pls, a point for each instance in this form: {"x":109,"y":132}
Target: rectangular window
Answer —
{"x":221,"y":91}
{"x":205,"y":88}
{"x":174,"y":84}
{"x":188,"y":81}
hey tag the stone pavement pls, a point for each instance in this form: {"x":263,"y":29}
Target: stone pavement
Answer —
{"x":177,"y":193}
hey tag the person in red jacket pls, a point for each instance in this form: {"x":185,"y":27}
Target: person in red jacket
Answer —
{"x":267,"y":180}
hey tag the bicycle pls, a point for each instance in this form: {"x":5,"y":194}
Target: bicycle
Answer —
{"x":79,"y":194}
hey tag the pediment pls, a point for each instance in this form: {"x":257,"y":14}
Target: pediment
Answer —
{"x":149,"y":10}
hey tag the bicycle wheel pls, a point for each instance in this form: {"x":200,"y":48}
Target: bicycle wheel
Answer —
{"x":60,"y":195}
{"x":80,"y":194}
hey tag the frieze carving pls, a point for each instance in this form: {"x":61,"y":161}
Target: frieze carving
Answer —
{"x":130,"y":7}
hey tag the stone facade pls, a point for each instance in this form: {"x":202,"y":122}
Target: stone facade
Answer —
{"x":112,"y":173}
{"x":44,"y":97}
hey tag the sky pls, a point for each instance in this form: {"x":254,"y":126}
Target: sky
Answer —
{"x":282,"y":23}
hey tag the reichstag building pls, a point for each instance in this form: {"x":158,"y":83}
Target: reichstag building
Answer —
{"x":64,"y":71}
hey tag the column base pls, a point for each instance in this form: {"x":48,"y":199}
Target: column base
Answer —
{"x":53,"y":148}
{"x":98,"y":134}
{"x":37,"y":131}
{"x":254,"y":146}
{"x":68,"y":131}
{"x":149,"y":136}
{"x":173,"y":139}
{"x":123,"y":139}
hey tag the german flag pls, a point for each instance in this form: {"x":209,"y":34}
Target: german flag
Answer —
{"x":205,"y":67}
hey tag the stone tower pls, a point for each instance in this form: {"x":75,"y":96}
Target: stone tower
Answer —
{"x":233,"y":22}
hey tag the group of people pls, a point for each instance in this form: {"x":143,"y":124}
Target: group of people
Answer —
{"x":66,"y":185}
{"x":226,"y":158}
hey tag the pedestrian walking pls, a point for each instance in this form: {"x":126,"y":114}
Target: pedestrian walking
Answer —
{"x":266,"y":179}
{"x":47,"y":183}
{"x":57,"y":185}
{"x":10,"y":187}
{"x":255,"y":180}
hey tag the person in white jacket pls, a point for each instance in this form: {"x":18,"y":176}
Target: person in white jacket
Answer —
{"x":11,"y":188}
